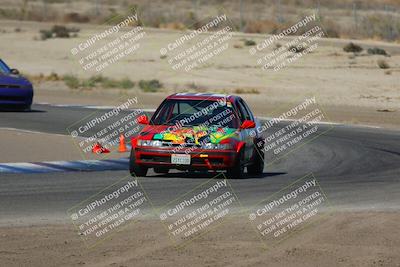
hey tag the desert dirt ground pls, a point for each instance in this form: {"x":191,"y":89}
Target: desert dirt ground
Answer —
{"x":342,"y":238}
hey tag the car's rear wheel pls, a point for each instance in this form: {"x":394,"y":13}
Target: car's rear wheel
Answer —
{"x":134,"y":168}
{"x":257,"y":165}
{"x":237,"y":171}
{"x":23,"y":108}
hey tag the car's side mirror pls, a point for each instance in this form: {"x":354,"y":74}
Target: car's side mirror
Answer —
{"x":15,"y":71}
{"x":143,"y":119}
{"x":248,"y":124}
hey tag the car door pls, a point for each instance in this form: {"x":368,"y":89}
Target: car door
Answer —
{"x":257,"y":138}
{"x":245,"y":114}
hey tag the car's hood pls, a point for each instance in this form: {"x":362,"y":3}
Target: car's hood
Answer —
{"x":15,"y":80}
{"x":195,"y":134}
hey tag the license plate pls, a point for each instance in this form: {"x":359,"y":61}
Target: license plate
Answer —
{"x":181,"y":159}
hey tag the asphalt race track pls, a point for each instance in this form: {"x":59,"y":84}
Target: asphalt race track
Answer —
{"x":357,"y":167}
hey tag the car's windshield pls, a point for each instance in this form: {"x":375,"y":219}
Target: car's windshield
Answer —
{"x":4,"y":69}
{"x":196,"y":113}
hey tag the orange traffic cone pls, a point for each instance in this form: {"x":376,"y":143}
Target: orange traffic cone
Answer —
{"x":122,"y":145}
{"x":99,"y":149}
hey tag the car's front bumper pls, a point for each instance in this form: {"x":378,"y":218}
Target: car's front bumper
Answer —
{"x":15,"y":98}
{"x":200,"y":158}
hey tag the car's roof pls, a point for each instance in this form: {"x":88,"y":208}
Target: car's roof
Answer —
{"x":201,"y":96}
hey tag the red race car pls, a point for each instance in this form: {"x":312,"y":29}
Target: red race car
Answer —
{"x":190,"y":131}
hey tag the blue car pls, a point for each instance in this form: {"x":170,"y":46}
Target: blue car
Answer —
{"x":16,"y":92}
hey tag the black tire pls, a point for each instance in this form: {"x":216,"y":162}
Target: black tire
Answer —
{"x":27,"y":108}
{"x":257,"y":165}
{"x":134,"y":169}
{"x":237,"y":171}
{"x":161,"y":170}
{"x":24,"y":108}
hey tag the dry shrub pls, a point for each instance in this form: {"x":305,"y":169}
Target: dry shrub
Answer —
{"x":261,"y":26}
{"x":53,"y":77}
{"x":75,"y":17}
{"x":377,"y":51}
{"x":38,"y":78}
{"x":385,"y":110}
{"x":45,"y":34}
{"x":248,"y":42}
{"x":352,"y":48}
{"x":150,"y":85}
{"x":296,"y":49}
{"x":193,"y":86}
{"x":388,"y":72}
{"x":246,"y":91}
{"x":59,"y":31}
{"x":383,"y":64}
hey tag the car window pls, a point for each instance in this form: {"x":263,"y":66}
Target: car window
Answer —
{"x":239,"y":113}
{"x":163,"y":113}
{"x":4,"y":69}
{"x":195,"y":113}
{"x":244,"y":114}
{"x":247,"y":109}
{"x":182,"y":107}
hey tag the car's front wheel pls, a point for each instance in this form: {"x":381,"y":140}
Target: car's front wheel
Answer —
{"x":25,"y":108}
{"x":135,"y":169}
{"x":237,"y":170}
{"x":257,"y":165}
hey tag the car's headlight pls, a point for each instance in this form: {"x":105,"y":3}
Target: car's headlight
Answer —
{"x":217,"y":146}
{"x":149,"y":143}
